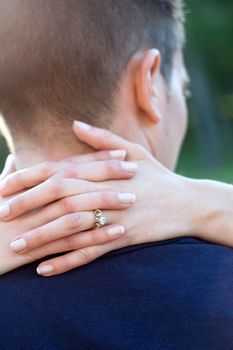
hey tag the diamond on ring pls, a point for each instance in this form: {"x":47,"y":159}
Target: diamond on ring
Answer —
{"x":99,"y":219}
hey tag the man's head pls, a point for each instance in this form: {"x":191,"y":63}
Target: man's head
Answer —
{"x":66,"y":59}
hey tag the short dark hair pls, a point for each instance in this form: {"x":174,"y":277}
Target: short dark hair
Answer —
{"x":66,"y":57}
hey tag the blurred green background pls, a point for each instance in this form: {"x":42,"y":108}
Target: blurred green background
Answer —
{"x":208,"y":148}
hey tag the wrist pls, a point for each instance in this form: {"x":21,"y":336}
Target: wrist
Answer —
{"x":212,"y":211}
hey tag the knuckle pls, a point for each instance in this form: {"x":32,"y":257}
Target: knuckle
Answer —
{"x":66,"y":205}
{"x":61,"y":264}
{"x":70,"y":171}
{"x":73,"y":221}
{"x":96,"y":237}
{"x":68,"y":263}
{"x":96,"y":156}
{"x":56,"y":186}
{"x":101,"y":155}
{"x":84,"y":256}
{"x":112,"y":166}
{"x":83,"y":186}
{"x":8,"y":180}
{"x":49,"y":168}
{"x":129,"y":237}
{"x":18,"y":203}
{"x":17,"y":178}
{"x":35,"y":239}
{"x":108,"y":197}
{"x":69,"y":243}
{"x":21,"y":177}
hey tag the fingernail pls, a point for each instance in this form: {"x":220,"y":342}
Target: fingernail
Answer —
{"x":115,"y":154}
{"x":4,"y":211}
{"x":127,"y":198}
{"x":82,"y":125}
{"x":118,"y":230}
{"x":44,"y":270}
{"x":130,"y":167}
{"x":18,"y":245}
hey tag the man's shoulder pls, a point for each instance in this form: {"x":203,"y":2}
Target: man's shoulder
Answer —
{"x":180,"y":245}
{"x":151,"y":291}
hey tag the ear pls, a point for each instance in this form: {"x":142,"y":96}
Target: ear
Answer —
{"x":146,"y":98}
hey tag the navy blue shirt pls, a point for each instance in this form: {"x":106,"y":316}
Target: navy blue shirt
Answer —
{"x":176,"y":294}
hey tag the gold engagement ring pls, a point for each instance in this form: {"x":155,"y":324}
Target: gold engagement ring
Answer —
{"x":99,"y":219}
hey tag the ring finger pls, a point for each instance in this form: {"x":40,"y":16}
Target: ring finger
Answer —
{"x":78,"y":241}
{"x":61,"y":227}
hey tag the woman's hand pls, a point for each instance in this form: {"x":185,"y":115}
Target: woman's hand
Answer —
{"x":106,"y":164}
{"x":165,"y":207}
{"x":66,"y":203}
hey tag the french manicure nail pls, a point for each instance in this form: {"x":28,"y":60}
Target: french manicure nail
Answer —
{"x":43,"y":270}
{"x":115,"y":154}
{"x":118,"y":230}
{"x":82,"y":125}
{"x":131,"y":167}
{"x":18,"y":245}
{"x":4,"y":211}
{"x":127,"y":198}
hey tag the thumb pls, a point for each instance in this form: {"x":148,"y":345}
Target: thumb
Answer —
{"x":102,"y":139}
{"x":9,"y":166}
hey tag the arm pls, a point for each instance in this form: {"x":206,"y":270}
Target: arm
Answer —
{"x":170,"y":209}
{"x":213,"y":211}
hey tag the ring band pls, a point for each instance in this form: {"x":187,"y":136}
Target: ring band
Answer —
{"x":99,"y":219}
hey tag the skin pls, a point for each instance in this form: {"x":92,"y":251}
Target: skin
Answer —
{"x":61,"y":219}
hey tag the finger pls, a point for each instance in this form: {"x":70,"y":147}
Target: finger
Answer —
{"x":85,"y":202}
{"x":27,"y":178}
{"x":119,"y":154}
{"x":66,"y":224}
{"x":30,"y":177}
{"x":43,"y":194}
{"x":77,"y":241}
{"x":9,"y":166}
{"x":99,"y":171}
{"x":104,"y":139}
{"x":59,"y":228}
{"x":78,"y":258}
{"x":57,"y":187}
{"x":110,"y":201}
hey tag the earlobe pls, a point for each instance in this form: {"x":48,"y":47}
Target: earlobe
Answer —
{"x":145,"y":93}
